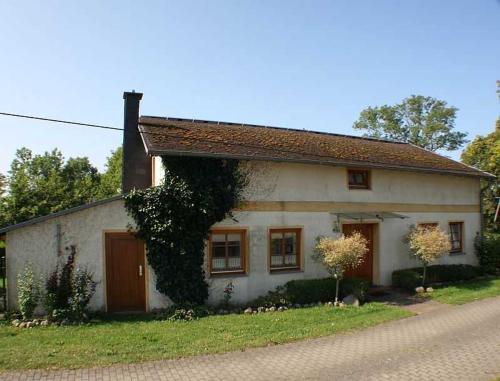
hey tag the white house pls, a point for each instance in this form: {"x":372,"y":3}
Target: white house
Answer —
{"x":303,"y":184}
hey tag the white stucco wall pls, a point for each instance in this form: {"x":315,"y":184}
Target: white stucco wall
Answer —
{"x":391,"y":251}
{"x":38,"y":244}
{"x":270,"y":182}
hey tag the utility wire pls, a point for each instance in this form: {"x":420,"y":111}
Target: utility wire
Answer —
{"x":224,"y":142}
{"x":163,"y":134}
{"x":60,"y":121}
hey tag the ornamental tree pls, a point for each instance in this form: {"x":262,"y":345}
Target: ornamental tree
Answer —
{"x":341,"y":254}
{"x":428,"y":244}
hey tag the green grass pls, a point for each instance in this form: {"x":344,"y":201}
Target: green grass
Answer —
{"x":135,"y":339}
{"x":466,"y":292}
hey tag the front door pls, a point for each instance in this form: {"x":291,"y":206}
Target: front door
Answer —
{"x":125,"y":280}
{"x":365,"y":269}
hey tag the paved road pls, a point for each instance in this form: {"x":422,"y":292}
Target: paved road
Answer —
{"x":459,"y":343}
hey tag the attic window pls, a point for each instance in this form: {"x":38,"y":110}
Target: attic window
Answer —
{"x":358,"y":178}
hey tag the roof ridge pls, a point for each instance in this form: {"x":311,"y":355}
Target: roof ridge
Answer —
{"x":273,"y":127}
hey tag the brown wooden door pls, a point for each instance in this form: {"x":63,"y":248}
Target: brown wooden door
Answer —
{"x":365,"y":269}
{"x":125,"y":278}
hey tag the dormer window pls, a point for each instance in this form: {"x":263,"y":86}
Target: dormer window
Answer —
{"x":358,"y":178}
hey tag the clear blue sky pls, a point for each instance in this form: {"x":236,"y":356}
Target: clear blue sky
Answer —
{"x":299,"y":64}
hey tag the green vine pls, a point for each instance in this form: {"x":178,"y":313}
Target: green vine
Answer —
{"x":174,"y":219}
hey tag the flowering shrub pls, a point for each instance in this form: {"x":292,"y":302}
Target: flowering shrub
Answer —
{"x":68,"y":291}
{"x":340,"y":254}
{"x":428,"y":244}
{"x":28,"y":292}
{"x":83,"y":288}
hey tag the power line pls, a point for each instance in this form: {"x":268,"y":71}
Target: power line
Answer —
{"x":60,"y":121}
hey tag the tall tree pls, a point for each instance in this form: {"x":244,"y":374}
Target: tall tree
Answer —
{"x":44,"y":184}
{"x":111,"y":179}
{"x":3,"y":184}
{"x":484,"y":153}
{"x":423,"y":121}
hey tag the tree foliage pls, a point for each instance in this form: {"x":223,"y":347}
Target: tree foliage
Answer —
{"x":341,"y":254}
{"x":428,"y":244}
{"x":484,"y":153}
{"x":38,"y":185}
{"x":111,"y":180}
{"x":174,"y":219}
{"x":423,"y":121}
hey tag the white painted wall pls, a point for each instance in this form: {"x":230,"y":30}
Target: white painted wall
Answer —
{"x":393,"y":253}
{"x":38,"y":244}
{"x":271,"y":182}
{"x":274,"y":181}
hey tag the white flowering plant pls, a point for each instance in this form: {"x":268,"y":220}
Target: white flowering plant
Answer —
{"x":341,"y":254}
{"x":428,"y":243}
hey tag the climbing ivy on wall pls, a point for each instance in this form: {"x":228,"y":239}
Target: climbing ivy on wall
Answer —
{"x":174,"y":219}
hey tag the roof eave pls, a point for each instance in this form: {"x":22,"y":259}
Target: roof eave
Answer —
{"x":64,"y":212}
{"x":332,"y":162}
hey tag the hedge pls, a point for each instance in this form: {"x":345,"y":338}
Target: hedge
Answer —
{"x":323,"y":290}
{"x":412,"y":278}
{"x":488,"y":252}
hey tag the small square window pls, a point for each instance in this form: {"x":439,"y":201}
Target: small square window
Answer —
{"x":358,"y":178}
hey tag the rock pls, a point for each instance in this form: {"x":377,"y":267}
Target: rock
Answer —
{"x":248,"y":310}
{"x":268,"y":309}
{"x":351,"y":300}
{"x":30,"y":324}
{"x":44,"y":323}
{"x":22,"y":325}
{"x":280,"y":309}
{"x":285,"y":308}
{"x":16,"y":322}
{"x":429,"y":289}
{"x":65,"y":322}
{"x":261,"y":310}
{"x":272,"y":309}
{"x":419,"y":290}
{"x":319,"y":304}
{"x":330,"y":304}
{"x":297,"y":305}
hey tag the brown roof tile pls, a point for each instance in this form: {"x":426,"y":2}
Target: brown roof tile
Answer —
{"x":174,"y":136}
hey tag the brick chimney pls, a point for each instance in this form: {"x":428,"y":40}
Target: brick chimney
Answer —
{"x":136,"y":163}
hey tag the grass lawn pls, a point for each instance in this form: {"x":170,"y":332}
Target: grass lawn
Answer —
{"x":467,"y":292}
{"x":135,"y":339}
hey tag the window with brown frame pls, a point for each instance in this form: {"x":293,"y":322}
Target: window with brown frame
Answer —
{"x":227,"y":251}
{"x":456,"y":237}
{"x":284,"y":248}
{"x":358,"y":178}
{"x":428,"y":225}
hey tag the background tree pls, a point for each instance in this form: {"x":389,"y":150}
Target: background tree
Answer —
{"x":44,"y":184}
{"x":423,"y":121}
{"x":428,"y":244}
{"x":111,"y":179}
{"x":3,"y":184}
{"x":484,"y":153}
{"x":341,"y":254}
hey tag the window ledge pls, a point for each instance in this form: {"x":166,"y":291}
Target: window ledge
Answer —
{"x":218,"y":274}
{"x":286,"y":270}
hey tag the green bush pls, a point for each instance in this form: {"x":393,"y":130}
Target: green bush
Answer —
{"x":412,"y":278}
{"x":28,"y":292}
{"x":488,"y":252}
{"x":323,"y":290}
